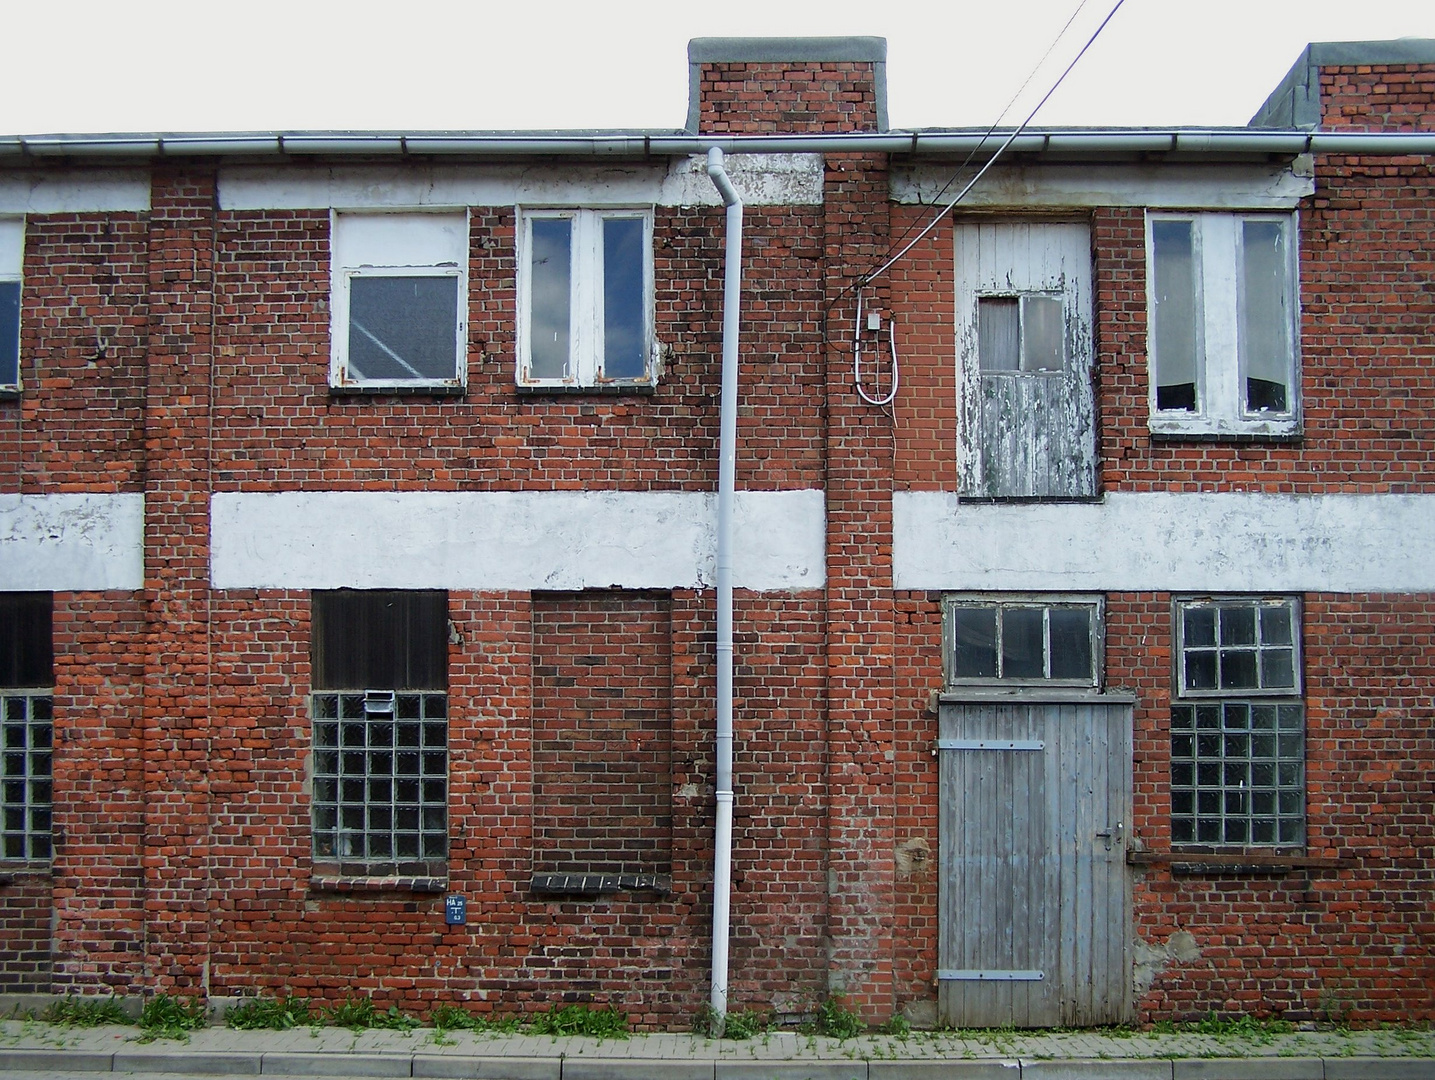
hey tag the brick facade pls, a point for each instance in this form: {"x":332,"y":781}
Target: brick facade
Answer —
{"x":183,"y":352}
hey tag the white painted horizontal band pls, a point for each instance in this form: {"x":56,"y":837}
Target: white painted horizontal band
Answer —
{"x":761,"y":180}
{"x":98,"y":191}
{"x":1216,"y":186}
{"x":512,"y":540}
{"x":71,"y":542}
{"x":1188,"y":542}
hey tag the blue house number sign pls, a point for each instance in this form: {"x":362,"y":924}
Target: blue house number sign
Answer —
{"x":455,"y":910}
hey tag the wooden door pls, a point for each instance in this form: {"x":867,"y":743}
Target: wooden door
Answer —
{"x":1024,"y":353}
{"x":1035,"y":908}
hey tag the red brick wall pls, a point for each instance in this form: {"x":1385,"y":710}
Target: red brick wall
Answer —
{"x":25,"y":906}
{"x":602,"y":733}
{"x":753,"y":98}
{"x":1377,"y":97}
{"x":100,"y":653}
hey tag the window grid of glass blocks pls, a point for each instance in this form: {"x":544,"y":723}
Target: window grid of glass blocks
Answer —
{"x":1238,"y":773}
{"x":27,"y":733}
{"x":380,"y":776}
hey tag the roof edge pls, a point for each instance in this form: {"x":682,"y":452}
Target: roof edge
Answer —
{"x":1295,"y":102}
{"x":770,"y":50}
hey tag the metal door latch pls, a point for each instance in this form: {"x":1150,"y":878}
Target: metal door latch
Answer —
{"x":1110,"y":834}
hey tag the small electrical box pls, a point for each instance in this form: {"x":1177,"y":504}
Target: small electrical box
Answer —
{"x":874,"y":320}
{"x":455,"y":910}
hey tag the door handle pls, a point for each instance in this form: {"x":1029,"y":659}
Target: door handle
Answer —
{"x":1111,"y":833}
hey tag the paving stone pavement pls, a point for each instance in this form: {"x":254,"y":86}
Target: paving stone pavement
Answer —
{"x":32,"y":1050}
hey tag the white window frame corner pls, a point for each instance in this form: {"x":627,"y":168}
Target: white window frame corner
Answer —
{"x":1220,"y":370}
{"x":341,"y":274}
{"x":585,"y":297}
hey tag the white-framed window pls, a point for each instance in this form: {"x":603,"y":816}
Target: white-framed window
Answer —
{"x":400,"y":301}
{"x":12,"y":258}
{"x":379,"y":710}
{"x":1223,"y":323}
{"x":1238,"y":723}
{"x":585,"y":297}
{"x":1013,"y":640}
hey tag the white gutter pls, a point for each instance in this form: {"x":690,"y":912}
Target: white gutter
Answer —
{"x":727,"y":481}
{"x":1075,"y":141}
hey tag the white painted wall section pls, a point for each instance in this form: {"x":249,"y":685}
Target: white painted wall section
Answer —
{"x":1225,"y":186}
{"x":761,"y":179}
{"x":25,"y":191}
{"x":511,"y":540}
{"x":1183,"y":542}
{"x":71,"y":542}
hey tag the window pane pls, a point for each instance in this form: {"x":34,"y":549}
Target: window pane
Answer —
{"x":9,"y":333}
{"x":550,"y":297}
{"x":1277,"y":668}
{"x":998,"y":333}
{"x":1043,"y":343}
{"x":1238,"y":625}
{"x":1200,"y":671}
{"x":402,"y":328}
{"x":1265,"y":315}
{"x":1173,"y":283}
{"x":1070,"y":643}
{"x":1276,"y":625}
{"x":1022,"y":643}
{"x":625,"y":345}
{"x":975,"y":635}
{"x":1238,"y":669}
{"x":1199,"y":626}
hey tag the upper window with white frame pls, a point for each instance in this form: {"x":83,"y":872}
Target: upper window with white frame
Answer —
{"x":400,"y":301}
{"x":585,"y":298}
{"x":1017,"y":640}
{"x":1223,"y":324}
{"x":12,"y":247}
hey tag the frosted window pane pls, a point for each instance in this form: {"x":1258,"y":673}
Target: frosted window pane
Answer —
{"x":1043,"y":334}
{"x":1264,"y":335}
{"x":624,"y":342}
{"x":550,"y":297}
{"x":1173,"y":284}
{"x":998,"y":332}
{"x":402,"y":328}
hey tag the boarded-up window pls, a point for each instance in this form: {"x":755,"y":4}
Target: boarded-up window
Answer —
{"x":26,"y":652}
{"x":380,"y":640}
{"x":602,"y":741}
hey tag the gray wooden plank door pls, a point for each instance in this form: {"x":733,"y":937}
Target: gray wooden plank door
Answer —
{"x":1025,"y":433}
{"x":1035,"y":908}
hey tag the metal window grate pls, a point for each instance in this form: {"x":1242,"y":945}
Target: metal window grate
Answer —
{"x":380,"y":776}
{"x":27,"y":733}
{"x":1238,"y":773}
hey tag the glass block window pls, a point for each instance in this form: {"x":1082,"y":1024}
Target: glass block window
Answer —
{"x":26,"y":732}
{"x":1023,"y":641}
{"x":1238,"y":773}
{"x":381,"y":778}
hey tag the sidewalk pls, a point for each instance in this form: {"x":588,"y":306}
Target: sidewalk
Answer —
{"x":31,"y":1047}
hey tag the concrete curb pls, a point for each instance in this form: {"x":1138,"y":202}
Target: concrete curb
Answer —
{"x":498,"y":1067}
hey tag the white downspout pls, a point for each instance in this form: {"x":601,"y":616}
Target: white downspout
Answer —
{"x":727,"y":482}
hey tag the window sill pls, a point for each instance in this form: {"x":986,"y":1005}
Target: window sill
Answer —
{"x":10,"y":393}
{"x":599,"y":884}
{"x":1194,"y":863}
{"x":1205,"y":427}
{"x":11,"y":869}
{"x":435,"y":390}
{"x":964,"y":695}
{"x":379,"y":877}
{"x":606,"y":390}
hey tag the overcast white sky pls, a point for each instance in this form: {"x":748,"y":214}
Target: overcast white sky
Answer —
{"x":221,"y":65}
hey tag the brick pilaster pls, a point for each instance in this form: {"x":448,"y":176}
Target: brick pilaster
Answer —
{"x":176,"y":698}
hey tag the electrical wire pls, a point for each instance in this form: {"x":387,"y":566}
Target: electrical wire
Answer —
{"x":877,"y":398}
{"x":993,"y":159}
